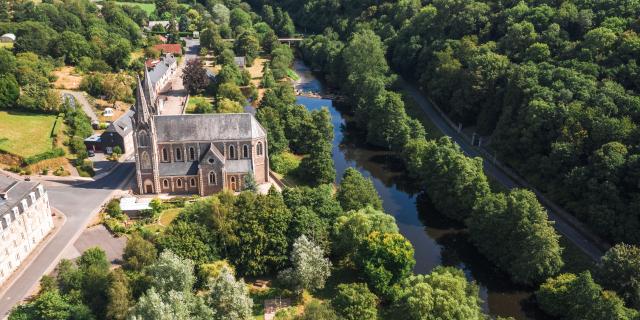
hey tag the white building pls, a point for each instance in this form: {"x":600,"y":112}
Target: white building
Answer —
{"x":25,"y":219}
{"x":8,"y":37}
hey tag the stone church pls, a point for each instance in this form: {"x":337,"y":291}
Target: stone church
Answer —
{"x":195,"y":153}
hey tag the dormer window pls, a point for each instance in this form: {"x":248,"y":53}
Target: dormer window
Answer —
{"x":192,"y":153}
{"x":165,"y":155}
{"x":178,"y":154}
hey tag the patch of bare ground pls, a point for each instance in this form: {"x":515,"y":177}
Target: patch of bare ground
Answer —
{"x":67,"y":78}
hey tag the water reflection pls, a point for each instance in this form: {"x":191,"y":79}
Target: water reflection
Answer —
{"x":436,"y":239}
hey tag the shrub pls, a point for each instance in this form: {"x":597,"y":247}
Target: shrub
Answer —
{"x":284,"y":163}
{"x":53,"y":153}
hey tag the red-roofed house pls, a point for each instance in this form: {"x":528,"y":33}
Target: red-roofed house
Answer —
{"x":172,"y":48}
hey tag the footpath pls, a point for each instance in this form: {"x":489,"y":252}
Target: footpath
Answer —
{"x":565,"y":223}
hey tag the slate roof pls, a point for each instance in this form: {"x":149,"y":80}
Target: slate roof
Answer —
{"x":186,"y":168}
{"x":123,"y":126}
{"x":238,"y":166}
{"x":207,"y":127}
{"x":161,"y":68}
{"x":15,"y":190}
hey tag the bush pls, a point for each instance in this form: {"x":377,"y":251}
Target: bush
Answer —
{"x":284,"y":163}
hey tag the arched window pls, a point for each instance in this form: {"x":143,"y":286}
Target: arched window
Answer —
{"x":165,"y":155}
{"x":233,"y":183}
{"x":259,"y":148}
{"x":178,"y":154}
{"x":179,"y":183}
{"x":245,"y":151}
{"x":192,"y":153}
{"x":193,"y":182}
{"x":165,"y":183}
{"x":232,"y":152}
{"x":143,"y":139}
{"x":212,"y":178}
{"x":146,"y":161}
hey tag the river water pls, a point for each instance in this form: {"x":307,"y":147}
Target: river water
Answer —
{"x":436,"y":240}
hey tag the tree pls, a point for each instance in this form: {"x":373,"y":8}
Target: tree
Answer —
{"x":72,"y":47}
{"x":261,"y":232}
{"x":194,"y":76}
{"x":385,"y":259}
{"x":315,"y":310}
{"x":173,"y":305}
{"x":189,"y":240}
{"x":445,"y":293}
{"x":350,"y":231}
{"x":7,"y":61}
{"x":356,"y":192}
{"x":230,"y":91}
{"x":250,"y":183}
{"x":220,"y":14}
{"x":268,"y":81}
{"x":166,"y":6}
{"x":171,"y":273}
{"x":94,"y":268}
{"x":9,"y":91}
{"x":119,"y":296}
{"x":138,"y":253}
{"x":51,"y":306}
{"x":513,"y":231}
{"x":619,"y":270}
{"x":118,"y":53}
{"x":354,"y":301}
{"x":225,"y":105}
{"x":310,"y":268}
{"x":248,"y":46}
{"x":229,"y":298}
{"x":318,"y":167}
{"x":574,"y":297}
{"x":239,"y":18}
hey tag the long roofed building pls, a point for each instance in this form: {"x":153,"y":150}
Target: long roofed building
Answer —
{"x":195,"y":154}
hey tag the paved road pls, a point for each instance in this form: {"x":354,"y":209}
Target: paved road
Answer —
{"x":79,"y":203}
{"x":174,"y":93}
{"x":592,"y":249}
{"x":84,"y":103}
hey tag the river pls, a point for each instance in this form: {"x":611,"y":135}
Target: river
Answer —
{"x":436,"y":240}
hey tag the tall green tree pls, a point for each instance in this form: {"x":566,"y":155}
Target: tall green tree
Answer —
{"x":354,"y":301}
{"x":356,"y":192}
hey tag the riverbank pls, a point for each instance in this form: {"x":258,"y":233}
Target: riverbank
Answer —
{"x":436,"y":239}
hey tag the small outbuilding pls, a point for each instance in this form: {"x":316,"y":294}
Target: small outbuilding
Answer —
{"x":241,"y":62}
{"x":8,"y":37}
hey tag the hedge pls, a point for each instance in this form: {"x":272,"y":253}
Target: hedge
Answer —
{"x":53,"y":153}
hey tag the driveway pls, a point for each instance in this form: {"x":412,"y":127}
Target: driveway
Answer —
{"x":174,"y":94}
{"x":565,"y":224}
{"x":84,"y":103}
{"x":79,"y":202}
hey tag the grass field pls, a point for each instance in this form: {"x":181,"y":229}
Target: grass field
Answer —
{"x":25,"y":134}
{"x":147,"y":7}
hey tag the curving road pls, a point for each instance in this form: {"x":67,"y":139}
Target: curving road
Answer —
{"x":79,"y":203}
{"x":589,"y":243}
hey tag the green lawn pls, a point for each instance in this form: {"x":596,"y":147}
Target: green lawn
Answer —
{"x":147,"y":7}
{"x":25,"y":134}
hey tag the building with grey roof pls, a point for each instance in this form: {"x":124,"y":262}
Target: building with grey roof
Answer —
{"x":195,"y":153}
{"x":25,"y":219}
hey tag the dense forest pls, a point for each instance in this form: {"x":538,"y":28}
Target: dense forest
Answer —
{"x":553,"y":84}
